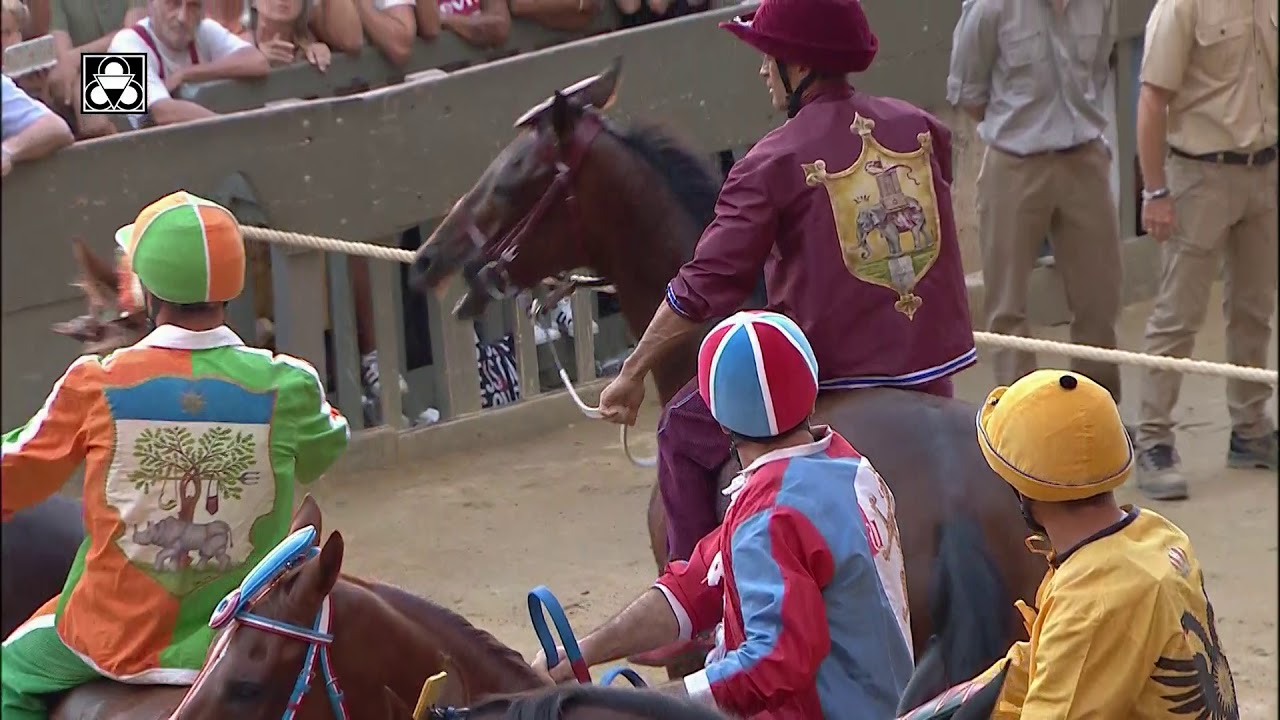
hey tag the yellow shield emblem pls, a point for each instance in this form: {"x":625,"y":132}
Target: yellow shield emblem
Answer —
{"x":886,"y":214}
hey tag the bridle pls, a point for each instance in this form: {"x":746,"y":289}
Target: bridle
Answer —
{"x":235,"y":610}
{"x":495,"y":278}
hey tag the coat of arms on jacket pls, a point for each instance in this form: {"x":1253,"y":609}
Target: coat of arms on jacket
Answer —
{"x":886,"y":213}
{"x":192,"y":476}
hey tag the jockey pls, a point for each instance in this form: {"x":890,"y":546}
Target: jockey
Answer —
{"x":1122,"y":625}
{"x":847,"y":209}
{"x":807,"y":629}
{"x":191,"y":443}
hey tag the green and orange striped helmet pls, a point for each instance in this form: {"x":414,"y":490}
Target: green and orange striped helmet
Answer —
{"x":185,"y":250}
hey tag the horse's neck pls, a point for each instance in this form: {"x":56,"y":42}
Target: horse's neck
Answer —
{"x":644,"y":235}
{"x":488,"y":665}
{"x":402,"y":654}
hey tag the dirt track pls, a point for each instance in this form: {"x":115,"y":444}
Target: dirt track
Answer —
{"x":476,"y":532}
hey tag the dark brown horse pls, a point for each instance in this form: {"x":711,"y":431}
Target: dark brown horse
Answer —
{"x":386,"y":640}
{"x":573,"y":191}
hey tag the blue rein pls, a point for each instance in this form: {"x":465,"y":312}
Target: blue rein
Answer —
{"x":543,"y":602}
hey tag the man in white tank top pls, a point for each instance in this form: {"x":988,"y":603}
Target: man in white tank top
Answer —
{"x":183,"y":47}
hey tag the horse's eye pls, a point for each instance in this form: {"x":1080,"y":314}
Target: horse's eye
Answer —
{"x":245,"y":691}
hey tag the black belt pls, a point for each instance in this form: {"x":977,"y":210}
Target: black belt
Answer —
{"x":1043,"y":153}
{"x":1262,"y":157}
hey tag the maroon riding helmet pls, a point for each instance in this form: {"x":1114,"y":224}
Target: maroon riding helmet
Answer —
{"x":826,"y":36}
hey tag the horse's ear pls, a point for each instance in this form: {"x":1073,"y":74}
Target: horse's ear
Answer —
{"x":563,"y":115}
{"x":329,"y":564}
{"x":603,"y":89}
{"x":96,"y":279}
{"x":308,"y":513}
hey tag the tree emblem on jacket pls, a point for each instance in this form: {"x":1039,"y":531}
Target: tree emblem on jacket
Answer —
{"x":188,"y":469}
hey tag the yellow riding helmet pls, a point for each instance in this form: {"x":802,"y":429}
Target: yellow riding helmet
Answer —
{"x":1055,"y":436}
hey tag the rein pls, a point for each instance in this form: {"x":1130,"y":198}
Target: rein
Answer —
{"x":234,"y":611}
{"x":538,"y":311}
{"x":542,"y":602}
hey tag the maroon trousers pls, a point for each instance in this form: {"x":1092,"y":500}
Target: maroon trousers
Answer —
{"x":692,"y":447}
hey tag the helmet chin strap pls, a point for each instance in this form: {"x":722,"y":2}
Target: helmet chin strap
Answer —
{"x":1024,"y":505}
{"x":794,"y":96}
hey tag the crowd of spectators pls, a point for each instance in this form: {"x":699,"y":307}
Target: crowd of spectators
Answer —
{"x":194,"y":41}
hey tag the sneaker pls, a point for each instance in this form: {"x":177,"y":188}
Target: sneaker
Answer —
{"x":1254,"y":453}
{"x":1159,"y":474}
{"x":372,"y":379}
{"x":564,"y":318}
{"x":543,"y":335}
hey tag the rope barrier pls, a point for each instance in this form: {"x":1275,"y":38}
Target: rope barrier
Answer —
{"x":1186,"y":366}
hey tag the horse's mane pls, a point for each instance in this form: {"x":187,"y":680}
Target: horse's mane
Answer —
{"x":689,"y":176}
{"x":552,"y":703}
{"x":473,"y":639}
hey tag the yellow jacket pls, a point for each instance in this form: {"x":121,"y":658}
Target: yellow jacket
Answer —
{"x":1122,"y":629}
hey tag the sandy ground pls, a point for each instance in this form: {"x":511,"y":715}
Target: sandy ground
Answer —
{"x":476,"y":531}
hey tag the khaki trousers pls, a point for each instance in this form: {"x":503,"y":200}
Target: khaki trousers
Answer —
{"x":1225,"y":220}
{"x":1067,"y":197}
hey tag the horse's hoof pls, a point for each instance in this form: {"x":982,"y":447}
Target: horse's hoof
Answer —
{"x":664,"y":656}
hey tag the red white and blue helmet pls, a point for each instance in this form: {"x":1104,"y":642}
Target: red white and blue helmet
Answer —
{"x":758,"y":374}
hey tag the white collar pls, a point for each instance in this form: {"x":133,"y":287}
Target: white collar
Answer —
{"x":177,"y":338}
{"x":791,"y":451}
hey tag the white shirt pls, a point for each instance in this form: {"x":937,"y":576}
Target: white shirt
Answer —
{"x":212,"y":42}
{"x":19,"y":111}
{"x":381,"y":5}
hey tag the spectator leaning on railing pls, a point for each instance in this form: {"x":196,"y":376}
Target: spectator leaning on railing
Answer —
{"x":484,"y":23}
{"x":279,"y":29}
{"x":300,"y":24}
{"x":184,"y":46}
{"x":30,"y":130}
{"x":392,"y":27}
{"x":80,"y":26}
{"x":568,"y":15}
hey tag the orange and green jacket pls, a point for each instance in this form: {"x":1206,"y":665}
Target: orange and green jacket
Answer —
{"x":191,"y":443}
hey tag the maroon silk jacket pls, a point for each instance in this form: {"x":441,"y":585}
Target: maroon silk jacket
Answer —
{"x":857,"y":245}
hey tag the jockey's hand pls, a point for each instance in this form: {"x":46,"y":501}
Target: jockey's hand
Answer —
{"x":561,"y":673}
{"x":620,"y":402}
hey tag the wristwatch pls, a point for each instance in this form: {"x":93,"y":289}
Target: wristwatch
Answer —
{"x":1149,"y":195}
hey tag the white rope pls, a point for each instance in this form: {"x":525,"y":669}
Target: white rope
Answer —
{"x":1186,"y":366}
{"x":315,"y":242}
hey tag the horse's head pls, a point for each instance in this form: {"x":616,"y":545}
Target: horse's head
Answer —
{"x":107,"y":326}
{"x":251,"y":671}
{"x":521,"y":222}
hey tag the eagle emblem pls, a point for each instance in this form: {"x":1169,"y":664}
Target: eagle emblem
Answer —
{"x":1201,"y":686}
{"x":886,"y":213}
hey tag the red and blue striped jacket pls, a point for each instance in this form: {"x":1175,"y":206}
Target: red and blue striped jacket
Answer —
{"x":809,"y":628}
